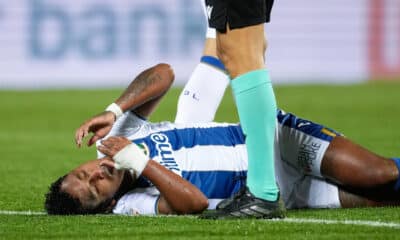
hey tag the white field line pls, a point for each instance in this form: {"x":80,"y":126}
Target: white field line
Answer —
{"x":288,"y":220}
{"x":26,"y":213}
{"x":344,"y":222}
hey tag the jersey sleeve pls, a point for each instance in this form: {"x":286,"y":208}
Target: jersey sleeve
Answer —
{"x":128,"y":125}
{"x":142,"y":201}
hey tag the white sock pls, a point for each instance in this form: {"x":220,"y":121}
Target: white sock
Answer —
{"x":203,"y":93}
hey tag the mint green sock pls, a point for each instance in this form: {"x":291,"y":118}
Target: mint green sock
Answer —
{"x":256,"y":106}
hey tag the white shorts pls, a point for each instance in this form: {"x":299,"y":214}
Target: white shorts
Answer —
{"x":300,"y":147}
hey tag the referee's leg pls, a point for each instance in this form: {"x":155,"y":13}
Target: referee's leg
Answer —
{"x":242,"y":52}
{"x":241,"y":48}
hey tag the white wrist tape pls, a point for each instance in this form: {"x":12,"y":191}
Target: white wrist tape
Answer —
{"x":114,"y":108}
{"x":132,"y":158}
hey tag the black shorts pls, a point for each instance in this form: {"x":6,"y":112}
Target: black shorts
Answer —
{"x":237,"y":13}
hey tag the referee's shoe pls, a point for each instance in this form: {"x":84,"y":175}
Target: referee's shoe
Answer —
{"x":245,"y":205}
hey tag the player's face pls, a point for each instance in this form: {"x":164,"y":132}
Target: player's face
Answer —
{"x":92,"y":183}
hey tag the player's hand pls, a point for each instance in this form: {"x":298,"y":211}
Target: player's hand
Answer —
{"x":113,"y":145}
{"x":100,"y":125}
{"x":126,"y":155}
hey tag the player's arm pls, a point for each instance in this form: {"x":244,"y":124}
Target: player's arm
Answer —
{"x":146,"y":91}
{"x":177,"y":196}
{"x":142,"y":95}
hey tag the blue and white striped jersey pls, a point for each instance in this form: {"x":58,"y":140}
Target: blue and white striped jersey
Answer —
{"x":213,"y":156}
{"x":210,"y":156}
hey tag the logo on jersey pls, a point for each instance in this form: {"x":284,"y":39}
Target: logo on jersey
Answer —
{"x":165,"y":152}
{"x":209,"y":11}
{"x":302,"y":124}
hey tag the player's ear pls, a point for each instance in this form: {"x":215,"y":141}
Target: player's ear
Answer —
{"x":111,"y":206}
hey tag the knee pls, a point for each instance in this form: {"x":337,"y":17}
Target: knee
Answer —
{"x":230,"y":64}
{"x":378,"y":175}
{"x":241,"y":59}
{"x":382,"y":175}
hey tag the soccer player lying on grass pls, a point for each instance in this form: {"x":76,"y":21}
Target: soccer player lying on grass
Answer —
{"x":185,"y":168}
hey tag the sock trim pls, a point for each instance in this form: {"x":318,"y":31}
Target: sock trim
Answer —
{"x":242,"y":83}
{"x":397,"y":162}
{"x":213,"y":61}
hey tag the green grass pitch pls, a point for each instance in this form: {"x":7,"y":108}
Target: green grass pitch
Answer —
{"x":36,"y":146}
